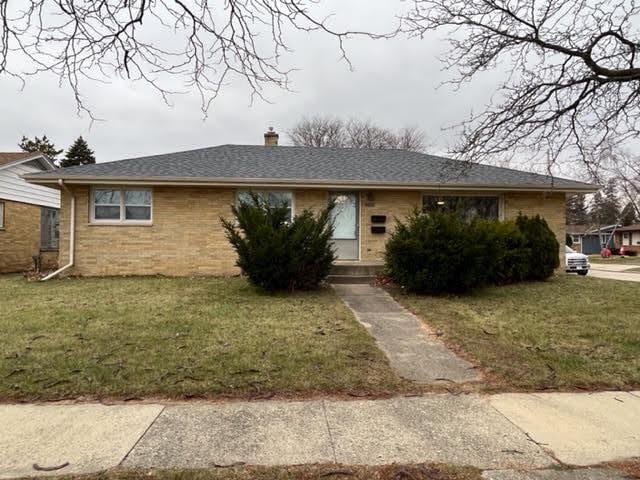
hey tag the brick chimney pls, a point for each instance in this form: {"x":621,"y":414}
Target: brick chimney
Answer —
{"x":271,"y":138}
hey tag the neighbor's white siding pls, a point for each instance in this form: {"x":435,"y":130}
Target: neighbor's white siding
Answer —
{"x":13,"y":187}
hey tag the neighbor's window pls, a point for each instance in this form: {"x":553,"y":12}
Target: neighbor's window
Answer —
{"x":273,"y":198}
{"x":1,"y":214}
{"x":121,"y":205}
{"x":468,"y":207}
{"x":49,"y":223}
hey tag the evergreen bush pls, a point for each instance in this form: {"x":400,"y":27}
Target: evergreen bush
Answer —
{"x":544,"y":249}
{"x":437,"y":253}
{"x":441,"y":253}
{"x":277,"y":253}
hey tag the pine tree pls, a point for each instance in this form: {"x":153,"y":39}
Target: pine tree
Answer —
{"x":78,"y":154}
{"x":577,"y":210}
{"x":605,"y":209}
{"x":42,"y":145}
{"x":629,"y":215}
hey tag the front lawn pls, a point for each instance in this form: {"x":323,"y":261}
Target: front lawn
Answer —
{"x":169,"y":337}
{"x":565,"y":333}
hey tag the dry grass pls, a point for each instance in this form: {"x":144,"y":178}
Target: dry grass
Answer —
{"x":180,"y":338}
{"x":303,"y":472}
{"x":630,"y":467}
{"x":566,"y":333}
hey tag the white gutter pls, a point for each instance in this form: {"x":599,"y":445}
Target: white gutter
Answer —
{"x":308,"y":184}
{"x":72,"y":234}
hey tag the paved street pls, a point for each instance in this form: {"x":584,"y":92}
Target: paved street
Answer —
{"x":509,"y":431}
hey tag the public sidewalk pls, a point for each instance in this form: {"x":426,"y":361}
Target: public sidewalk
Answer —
{"x":495,"y":433}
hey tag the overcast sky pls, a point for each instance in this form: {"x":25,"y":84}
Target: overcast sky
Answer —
{"x":394,"y":83}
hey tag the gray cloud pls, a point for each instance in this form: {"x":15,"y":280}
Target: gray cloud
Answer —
{"x":394,"y":83}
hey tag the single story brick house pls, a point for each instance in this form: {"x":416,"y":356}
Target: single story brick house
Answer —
{"x":590,"y":240}
{"x":629,"y":238}
{"x":28,"y":214}
{"x":161,"y":214}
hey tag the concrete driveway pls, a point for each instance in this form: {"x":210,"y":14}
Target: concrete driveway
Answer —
{"x":627,"y":273}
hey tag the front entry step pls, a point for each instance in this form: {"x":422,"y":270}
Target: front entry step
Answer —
{"x":355,"y":273}
{"x":351,"y":279}
{"x":357,"y":269}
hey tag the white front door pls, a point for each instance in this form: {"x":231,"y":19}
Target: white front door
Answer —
{"x":345,"y":217}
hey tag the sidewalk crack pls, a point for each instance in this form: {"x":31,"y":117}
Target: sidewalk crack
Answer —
{"x":326,"y":421}
{"x":544,"y":448}
{"x":146,"y":430}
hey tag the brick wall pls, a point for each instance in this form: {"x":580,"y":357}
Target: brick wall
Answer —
{"x":310,"y":199}
{"x":549,"y":206}
{"x":397,"y":204}
{"x":186,"y":237}
{"x":393,"y":204}
{"x":20,"y":237}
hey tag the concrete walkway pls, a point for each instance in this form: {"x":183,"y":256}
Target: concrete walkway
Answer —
{"x":614,"y":272}
{"x":413,"y":351}
{"x":613,"y":267}
{"x":497,"y":434}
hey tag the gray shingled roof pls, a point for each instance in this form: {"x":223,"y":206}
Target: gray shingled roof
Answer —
{"x":257,"y":163}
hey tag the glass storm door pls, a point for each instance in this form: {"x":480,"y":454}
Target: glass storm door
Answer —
{"x":345,"y":225}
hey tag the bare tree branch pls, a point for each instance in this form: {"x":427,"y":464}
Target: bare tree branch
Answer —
{"x":322,"y":131}
{"x":622,"y":167}
{"x":573,"y":79}
{"x":202,"y":43}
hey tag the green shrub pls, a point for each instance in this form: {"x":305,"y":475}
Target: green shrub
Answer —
{"x":543,"y":247}
{"x":512,"y":253}
{"x":278,"y":254}
{"x":439,"y":253}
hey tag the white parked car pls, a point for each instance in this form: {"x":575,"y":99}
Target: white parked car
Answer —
{"x":576,"y":262}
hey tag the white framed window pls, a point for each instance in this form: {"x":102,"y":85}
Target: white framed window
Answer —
{"x":126,"y":205}
{"x":273,"y":198}
{"x":49,"y":228}
{"x":468,"y":207}
{"x":576,"y":239}
{"x":1,"y":215}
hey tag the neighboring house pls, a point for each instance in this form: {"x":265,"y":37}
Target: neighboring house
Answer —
{"x":596,"y":238}
{"x":28,"y":214}
{"x":590,"y":240}
{"x":629,"y":238}
{"x":577,"y":234}
{"x":161,"y":214}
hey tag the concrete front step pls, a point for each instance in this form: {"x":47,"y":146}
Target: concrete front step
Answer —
{"x":357,"y":269}
{"x":351,"y":279}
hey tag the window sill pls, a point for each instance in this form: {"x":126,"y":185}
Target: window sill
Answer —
{"x":48,"y":250}
{"x":120,"y":224}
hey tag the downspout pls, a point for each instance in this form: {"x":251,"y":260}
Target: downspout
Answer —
{"x":72,"y":234}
